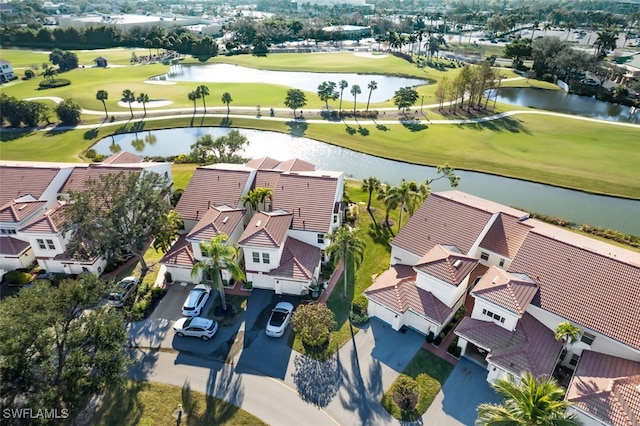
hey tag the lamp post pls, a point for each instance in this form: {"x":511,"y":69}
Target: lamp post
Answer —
{"x":421,"y":104}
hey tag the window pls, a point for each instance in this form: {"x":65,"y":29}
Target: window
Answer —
{"x":335,"y":218}
{"x":51,"y":245}
{"x":492,"y":315}
{"x":265,"y":257}
{"x":256,"y":257}
{"x":501,"y":262}
{"x":41,"y":244}
{"x":588,"y":338}
{"x":484,"y":256}
{"x":320,"y":238}
{"x":574,"y":360}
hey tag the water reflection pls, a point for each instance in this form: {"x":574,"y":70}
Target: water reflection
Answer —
{"x":607,"y":212}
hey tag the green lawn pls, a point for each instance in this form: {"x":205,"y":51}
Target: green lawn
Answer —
{"x":430,"y":373}
{"x":147,"y":403}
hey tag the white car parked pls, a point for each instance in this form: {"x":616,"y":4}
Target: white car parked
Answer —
{"x":203,"y":328}
{"x":279,"y":319}
{"x":196,"y":300}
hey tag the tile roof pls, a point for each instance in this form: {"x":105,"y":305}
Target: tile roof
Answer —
{"x":82,"y":174}
{"x":266,"y":178}
{"x":607,"y":388}
{"x":396,"y":289}
{"x":180,"y":254}
{"x":296,"y":165}
{"x":214,"y":222}
{"x":309,"y":197}
{"x":50,"y":221}
{"x":507,"y":290}
{"x":298,"y":260}
{"x":15,"y":212}
{"x":123,"y":157}
{"x":19,"y":180}
{"x":441,"y":220}
{"x":266,"y":229}
{"x":263,"y":163}
{"x":12,"y":246}
{"x":530,"y":347}
{"x":447,"y":265}
{"x":591,"y":289}
{"x":212,"y":186}
{"x":505,"y":235}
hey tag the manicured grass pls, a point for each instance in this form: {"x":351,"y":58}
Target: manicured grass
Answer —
{"x":430,"y":373}
{"x":24,"y":58}
{"x":182,"y":174}
{"x":147,"y":403}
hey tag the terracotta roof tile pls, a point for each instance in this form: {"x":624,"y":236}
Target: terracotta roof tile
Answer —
{"x":212,"y":186}
{"x":449,"y":266}
{"x":15,"y":212}
{"x":214,"y":222}
{"x":608,"y":388}
{"x":10,"y":246}
{"x":266,"y":229}
{"x":530,"y":347}
{"x":82,"y":174}
{"x":591,"y":289}
{"x":396,"y":289}
{"x":309,"y":197}
{"x":50,"y":221}
{"x":17,"y":181}
{"x":180,"y":254}
{"x":507,"y":290}
{"x":505,"y":235}
{"x":123,"y":157}
{"x":298,"y":260}
{"x":266,"y":178}
{"x":263,"y":163}
{"x":441,"y":220}
{"x":296,"y":165}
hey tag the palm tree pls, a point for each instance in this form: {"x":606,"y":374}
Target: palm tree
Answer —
{"x":128,"y":96}
{"x":226,"y":99}
{"x":193,"y":96}
{"x":143,"y":98}
{"x":202,"y":92}
{"x":389,"y":202}
{"x":355,"y":91}
{"x":218,"y":255}
{"x":406,"y":196}
{"x":343,"y":85}
{"x":49,"y":72}
{"x":371,"y":86}
{"x":547,"y":26}
{"x":103,"y":95}
{"x":530,"y":402}
{"x":370,"y":185}
{"x":263,"y":194}
{"x":568,"y":333}
{"x":346,"y":245}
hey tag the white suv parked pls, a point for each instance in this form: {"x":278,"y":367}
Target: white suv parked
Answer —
{"x":196,"y":300}
{"x":203,"y":328}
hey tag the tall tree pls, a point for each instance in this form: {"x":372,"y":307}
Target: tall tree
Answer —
{"x":117,"y":215}
{"x":406,"y":196}
{"x":203,"y":91}
{"x":405,"y":97}
{"x":169,"y":231}
{"x":327,"y":91}
{"x":68,"y":111}
{"x":568,"y":333}
{"x":295,"y":99}
{"x":529,"y":401}
{"x":226,"y":99}
{"x":355,"y":91}
{"x":103,"y":95}
{"x":223,"y":149}
{"x":143,"y":98}
{"x":219,"y":255}
{"x":345,"y":245}
{"x":371,"y":86}
{"x":370,"y":185}
{"x":128,"y":96}
{"x":343,"y":85}
{"x":193,"y":96}
{"x":64,"y":351}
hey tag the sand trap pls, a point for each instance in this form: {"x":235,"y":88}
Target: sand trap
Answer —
{"x":160,"y":82}
{"x":371,"y":55}
{"x":151,"y":104}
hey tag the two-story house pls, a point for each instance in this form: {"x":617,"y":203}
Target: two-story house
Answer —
{"x":6,"y":71}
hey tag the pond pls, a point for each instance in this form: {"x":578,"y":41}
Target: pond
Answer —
{"x":225,"y":73}
{"x":567,"y":103}
{"x":579,"y":207}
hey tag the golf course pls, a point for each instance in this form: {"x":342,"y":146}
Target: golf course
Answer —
{"x":571,"y":152}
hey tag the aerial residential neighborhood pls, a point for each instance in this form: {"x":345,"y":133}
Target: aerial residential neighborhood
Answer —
{"x":324,"y":213}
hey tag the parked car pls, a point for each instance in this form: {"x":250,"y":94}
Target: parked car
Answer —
{"x":203,"y":328}
{"x":115,"y":299}
{"x":279,"y":319}
{"x":127,"y":282}
{"x":196,"y":300}
{"x":589,"y":82}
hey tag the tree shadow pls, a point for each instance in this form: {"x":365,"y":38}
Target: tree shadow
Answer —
{"x":414,"y":125}
{"x":505,"y":124}
{"x":123,"y":406}
{"x":381,"y":234}
{"x":226,"y":122}
{"x":350,"y":130}
{"x":317,"y":382}
{"x":297,"y":128}
{"x":90,"y":134}
{"x":382,"y":127}
{"x":57,"y":131}
{"x":363,"y":131}
{"x":11,"y":134}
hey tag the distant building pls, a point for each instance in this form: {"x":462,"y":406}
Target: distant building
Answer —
{"x":126,"y":22}
{"x":101,"y":62}
{"x":6,"y":71}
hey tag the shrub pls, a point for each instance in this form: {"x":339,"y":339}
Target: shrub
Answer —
{"x":98,"y":158}
{"x":313,"y":324}
{"x":405,"y":393}
{"x":438,"y":339}
{"x":91,"y":153}
{"x":17,"y":277}
{"x":68,"y":112}
{"x":358,"y":319}
{"x":29,"y":74}
{"x":58,"y":82}
{"x":430,"y":337}
{"x":167,"y":277}
{"x":360,"y":304}
{"x":452,"y":347}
